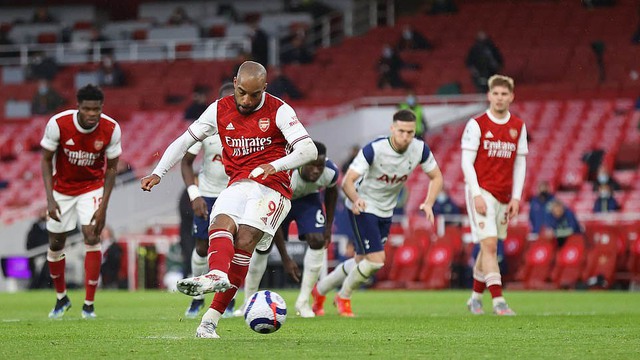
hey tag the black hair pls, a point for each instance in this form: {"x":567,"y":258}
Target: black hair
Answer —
{"x":322,"y":150}
{"x":89,"y":92}
{"x":404,"y":115}
{"x":225,"y":87}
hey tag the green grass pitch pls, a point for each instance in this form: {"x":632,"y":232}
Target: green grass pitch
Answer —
{"x":388,"y":325}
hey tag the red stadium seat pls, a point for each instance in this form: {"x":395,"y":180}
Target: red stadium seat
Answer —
{"x":436,"y":267}
{"x":537,"y":264}
{"x":569,"y":262}
{"x":515,"y":246}
{"x":404,"y":269}
{"x":601,"y":261}
{"x":633,"y":264}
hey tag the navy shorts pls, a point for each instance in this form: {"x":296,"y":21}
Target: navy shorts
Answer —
{"x":201,"y":225}
{"x":308,"y":214}
{"x":370,"y":231}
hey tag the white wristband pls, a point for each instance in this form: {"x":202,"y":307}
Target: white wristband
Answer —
{"x":193,"y":192}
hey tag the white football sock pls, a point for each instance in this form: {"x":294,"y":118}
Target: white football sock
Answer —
{"x":211,"y":315}
{"x":257,"y":267}
{"x":312,"y":265}
{"x":199,"y":266}
{"x":336,"y":277}
{"x":357,"y":276}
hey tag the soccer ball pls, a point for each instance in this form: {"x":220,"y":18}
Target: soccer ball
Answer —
{"x":265,"y":312}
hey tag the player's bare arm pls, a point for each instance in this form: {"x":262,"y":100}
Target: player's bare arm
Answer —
{"x":349,"y":188}
{"x":330,"y":201}
{"x":46,"y":164}
{"x":290,"y":266}
{"x":435,"y":186}
{"x":100,"y":216}
{"x":198,"y":204}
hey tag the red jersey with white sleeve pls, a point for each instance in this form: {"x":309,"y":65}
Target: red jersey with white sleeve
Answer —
{"x":265,"y":135}
{"x":497,"y":142}
{"x":80,"y":163}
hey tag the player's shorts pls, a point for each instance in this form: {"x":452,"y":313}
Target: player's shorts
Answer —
{"x":370,"y":231}
{"x":74,"y":209}
{"x":201,"y":225}
{"x":250,"y":203}
{"x":308,"y":214}
{"x":494,"y":223}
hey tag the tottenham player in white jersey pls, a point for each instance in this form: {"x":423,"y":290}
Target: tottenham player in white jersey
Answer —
{"x":212,"y":179}
{"x":371,"y":185}
{"x":313,"y":227}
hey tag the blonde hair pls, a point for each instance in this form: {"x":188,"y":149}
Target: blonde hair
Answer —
{"x":501,"y":80}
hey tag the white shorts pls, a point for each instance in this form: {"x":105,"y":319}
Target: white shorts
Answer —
{"x":74,"y":209}
{"x":253,"y":204}
{"x":494,"y":223}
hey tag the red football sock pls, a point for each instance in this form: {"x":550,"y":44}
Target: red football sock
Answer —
{"x":92,"y":262}
{"x":56,"y":260}
{"x":220,"y":250}
{"x":237,"y":273}
{"x":56,"y":269}
{"x":479,"y":286}
{"x":495,"y":290}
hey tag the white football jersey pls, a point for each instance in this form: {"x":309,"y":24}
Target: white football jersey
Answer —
{"x":212,"y":178}
{"x":328,"y":179}
{"x":384,"y":171}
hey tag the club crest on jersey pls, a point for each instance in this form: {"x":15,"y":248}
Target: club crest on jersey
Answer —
{"x":263,"y":124}
{"x":513,"y":133}
{"x":98,"y":144}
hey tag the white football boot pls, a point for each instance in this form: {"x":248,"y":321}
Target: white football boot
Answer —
{"x":213,"y":281}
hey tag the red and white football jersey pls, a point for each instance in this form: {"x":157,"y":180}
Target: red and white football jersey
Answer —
{"x":497,"y":142}
{"x":80,"y":163}
{"x":265,"y":135}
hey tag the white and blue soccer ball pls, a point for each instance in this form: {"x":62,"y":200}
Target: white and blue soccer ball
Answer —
{"x":266,"y":312}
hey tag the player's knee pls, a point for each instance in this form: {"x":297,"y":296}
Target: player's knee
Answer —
{"x":315,"y":241}
{"x":377,"y":257}
{"x":369,"y":268}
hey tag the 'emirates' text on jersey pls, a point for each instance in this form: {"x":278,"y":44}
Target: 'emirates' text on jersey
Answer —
{"x":384,"y":171}
{"x":250,"y":140}
{"x":497,"y":142}
{"x":212,"y":178}
{"x":328,"y":179}
{"x":80,"y":153}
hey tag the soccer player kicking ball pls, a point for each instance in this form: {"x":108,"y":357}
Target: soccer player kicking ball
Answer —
{"x":380,"y":170}
{"x":261,"y":139}
{"x":81,"y":142}
{"x":307,"y":212}
{"x":494,"y":146}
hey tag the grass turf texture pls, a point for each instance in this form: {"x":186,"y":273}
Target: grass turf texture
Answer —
{"x":389,"y":325}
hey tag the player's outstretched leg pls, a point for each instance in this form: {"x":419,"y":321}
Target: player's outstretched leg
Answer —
{"x":257,"y":267}
{"x":329,"y":282}
{"x":313,"y":259}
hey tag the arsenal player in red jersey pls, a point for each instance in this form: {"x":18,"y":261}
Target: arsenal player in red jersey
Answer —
{"x":494,"y":146}
{"x":75,"y":147}
{"x":262,"y":140}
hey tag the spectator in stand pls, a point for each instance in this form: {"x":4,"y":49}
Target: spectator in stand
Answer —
{"x":604,"y":178}
{"x":111,"y":260}
{"x":259,"y":43}
{"x":352,"y":155}
{"x":410,"y":39}
{"x":389,"y":65}
{"x":179,"y":17}
{"x":605,"y":202}
{"x":198,"y":105}
{"x":539,"y":207}
{"x":593,"y":160}
{"x":46,"y":99}
{"x":483,"y":61}
{"x":411,"y":103}
{"x":298,"y":53}
{"x":110,"y":74}
{"x":562,"y":222}
{"x":42,"y":16}
{"x":281,"y":85}
{"x":42,"y":66}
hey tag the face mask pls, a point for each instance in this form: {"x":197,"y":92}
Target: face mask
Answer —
{"x":406,"y":34}
{"x":387,"y":52}
{"x":603,"y":178}
{"x":42,"y":89}
{"x":442,"y":197}
{"x":411,"y":101}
